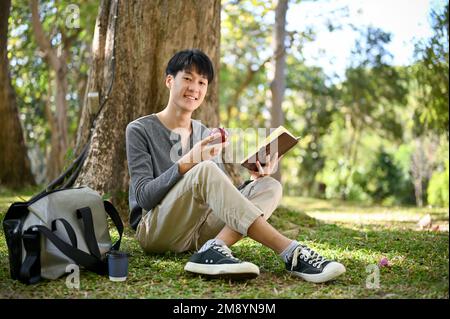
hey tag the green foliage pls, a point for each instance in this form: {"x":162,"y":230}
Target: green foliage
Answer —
{"x":438,"y":188}
{"x":380,"y":173}
{"x":373,"y":89}
{"x":431,"y":73}
{"x":384,"y":181}
{"x":337,"y":165}
{"x":245,"y":46}
{"x":309,"y":111}
{"x":344,"y":126}
{"x":29,"y":74}
{"x":246,"y":52}
{"x":412,"y":254}
{"x":31,"y":77}
{"x":373,"y":114}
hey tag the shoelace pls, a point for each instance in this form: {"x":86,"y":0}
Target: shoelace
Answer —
{"x":308,"y":255}
{"x":225,"y":250}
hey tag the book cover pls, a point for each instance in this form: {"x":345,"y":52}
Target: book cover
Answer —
{"x":280,"y":140}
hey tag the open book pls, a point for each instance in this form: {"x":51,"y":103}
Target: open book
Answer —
{"x":280,"y":140}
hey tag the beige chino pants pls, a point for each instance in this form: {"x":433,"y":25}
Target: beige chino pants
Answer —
{"x":200,"y":205}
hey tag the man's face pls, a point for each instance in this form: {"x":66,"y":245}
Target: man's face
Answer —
{"x":187,"y":89}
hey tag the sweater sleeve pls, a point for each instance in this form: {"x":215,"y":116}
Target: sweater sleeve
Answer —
{"x":147,"y":190}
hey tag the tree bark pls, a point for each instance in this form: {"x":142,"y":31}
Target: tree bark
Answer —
{"x":147,"y":34}
{"x":15,"y":171}
{"x":57,"y":61}
{"x":278,"y":83}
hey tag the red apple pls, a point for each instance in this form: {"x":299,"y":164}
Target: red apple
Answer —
{"x":223,"y":134}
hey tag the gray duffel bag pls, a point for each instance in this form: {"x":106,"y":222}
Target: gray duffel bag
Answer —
{"x":59,"y":228}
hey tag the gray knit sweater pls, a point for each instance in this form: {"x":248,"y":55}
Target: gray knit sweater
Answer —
{"x":152,"y":153}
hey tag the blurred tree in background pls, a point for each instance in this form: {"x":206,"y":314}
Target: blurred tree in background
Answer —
{"x":245,"y":51}
{"x":34,"y":80}
{"x":379,"y":134}
{"x":129,"y":76}
{"x":431,"y":73}
{"x":14,"y":161}
{"x":369,"y":102}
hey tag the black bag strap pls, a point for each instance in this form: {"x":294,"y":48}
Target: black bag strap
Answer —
{"x":85,"y":214}
{"x":80,"y":257}
{"x":69,"y":230}
{"x":30,"y":270}
{"x":31,"y":267}
{"x":114,"y":215}
{"x":71,"y":172}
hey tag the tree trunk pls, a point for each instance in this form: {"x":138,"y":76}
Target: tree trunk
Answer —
{"x":15,"y":168}
{"x":147,"y":34}
{"x":423,"y":160}
{"x":278,"y":84}
{"x":57,"y":61}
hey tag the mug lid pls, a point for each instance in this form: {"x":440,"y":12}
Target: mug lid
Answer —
{"x":117,"y":253}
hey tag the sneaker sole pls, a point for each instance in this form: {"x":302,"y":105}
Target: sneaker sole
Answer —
{"x":226,"y":271}
{"x":331,"y":271}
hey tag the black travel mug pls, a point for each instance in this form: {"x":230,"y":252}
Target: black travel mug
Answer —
{"x":117,"y":265}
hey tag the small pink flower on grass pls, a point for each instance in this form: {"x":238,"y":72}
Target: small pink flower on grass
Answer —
{"x":384,"y":262}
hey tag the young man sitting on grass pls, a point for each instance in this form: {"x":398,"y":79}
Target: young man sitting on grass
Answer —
{"x":182,"y":200}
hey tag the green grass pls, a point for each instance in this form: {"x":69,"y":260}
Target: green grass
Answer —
{"x":356,"y":235}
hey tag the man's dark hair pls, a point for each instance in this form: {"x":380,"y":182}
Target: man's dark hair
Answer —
{"x":191,"y":60}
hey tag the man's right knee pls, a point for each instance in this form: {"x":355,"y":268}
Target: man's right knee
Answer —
{"x":206,"y":167}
